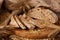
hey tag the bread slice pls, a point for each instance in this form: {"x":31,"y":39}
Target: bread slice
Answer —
{"x":43,"y":14}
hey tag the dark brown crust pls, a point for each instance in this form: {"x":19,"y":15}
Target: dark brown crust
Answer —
{"x":32,"y":35}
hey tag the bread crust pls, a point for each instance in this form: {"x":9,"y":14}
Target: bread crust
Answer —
{"x":33,"y":34}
